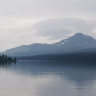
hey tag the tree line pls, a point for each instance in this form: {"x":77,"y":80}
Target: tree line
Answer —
{"x":5,"y":58}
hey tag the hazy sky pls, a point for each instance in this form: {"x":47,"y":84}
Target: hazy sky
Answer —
{"x":46,"y":21}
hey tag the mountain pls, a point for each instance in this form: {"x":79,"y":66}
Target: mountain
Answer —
{"x":77,"y":43}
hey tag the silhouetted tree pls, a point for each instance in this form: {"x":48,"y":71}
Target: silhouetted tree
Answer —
{"x":14,"y":60}
{"x":5,"y":58}
{"x":9,"y":59}
{"x":2,"y":58}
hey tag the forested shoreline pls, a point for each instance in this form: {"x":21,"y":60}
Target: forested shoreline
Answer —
{"x":5,"y":58}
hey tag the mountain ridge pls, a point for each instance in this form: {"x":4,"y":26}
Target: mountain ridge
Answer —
{"x":75,"y":43}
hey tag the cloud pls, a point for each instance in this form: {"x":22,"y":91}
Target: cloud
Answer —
{"x":62,"y":27}
{"x":23,"y":32}
{"x":18,"y":20}
{"x":48,"y":8}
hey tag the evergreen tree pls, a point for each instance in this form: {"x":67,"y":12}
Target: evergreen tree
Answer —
{"x":9,"y":59}
{"x":3,"y":57}
{"x":6,"y":57}
{"x":0,"y":58}
{"x":14,"y":60}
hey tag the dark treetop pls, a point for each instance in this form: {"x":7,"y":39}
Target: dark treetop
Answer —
{"x":5,"y":58}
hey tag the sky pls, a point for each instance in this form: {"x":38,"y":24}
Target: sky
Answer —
{"x":24,"y":22}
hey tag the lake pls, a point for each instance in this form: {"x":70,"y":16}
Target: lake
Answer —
{"x":48,"y":78}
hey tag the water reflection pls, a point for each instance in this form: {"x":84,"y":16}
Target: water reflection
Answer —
{"x":53,"y":78}
{"x":81,"y":73}
{"x":6,"y":64}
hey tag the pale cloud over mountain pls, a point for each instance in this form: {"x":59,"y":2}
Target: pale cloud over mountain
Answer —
{"x":28,"y":21}
{"x":62,"y":27}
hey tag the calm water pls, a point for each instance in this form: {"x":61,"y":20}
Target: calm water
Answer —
{"x":47,"y":78}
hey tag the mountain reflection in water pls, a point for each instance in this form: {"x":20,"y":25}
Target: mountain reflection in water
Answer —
{"x":48,"y":78}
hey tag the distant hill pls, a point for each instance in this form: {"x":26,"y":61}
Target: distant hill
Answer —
{"x":69,"y":57}
{"x":77,"y":43}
